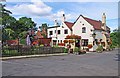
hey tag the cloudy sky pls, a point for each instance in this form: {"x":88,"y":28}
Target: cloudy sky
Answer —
{"x":47,"y":12}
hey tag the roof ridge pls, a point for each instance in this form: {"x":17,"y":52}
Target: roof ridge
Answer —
{"x":69,"y":22}
{"x":92,"y":19}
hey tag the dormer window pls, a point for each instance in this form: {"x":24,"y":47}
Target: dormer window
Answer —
{"x":84,"y":30}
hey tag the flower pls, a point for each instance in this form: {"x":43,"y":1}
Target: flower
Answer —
{"x":71,"y":41}
{"x":65,"y":41}
{"x":89,"y":46}
{"x":35,"y":43}
{"x":73,"y":37}
{"x":61,"y":44}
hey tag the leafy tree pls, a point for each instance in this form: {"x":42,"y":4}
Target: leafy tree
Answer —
{"x":115,"y":35}
{"x":7,"y":34}
{"x":13,"y":28}
{"x":26,"y":23}
{"x":44,"y":30}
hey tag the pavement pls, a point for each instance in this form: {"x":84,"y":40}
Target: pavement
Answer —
{"x":89,"y":64}
{"x":30,"y":56}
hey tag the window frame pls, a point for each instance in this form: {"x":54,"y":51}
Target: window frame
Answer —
{"x":58,"y":32}
{"x":50,"y":32}
{"x":65,"y":31}
{"x":83,"y":29}
{"x":85,"y":42}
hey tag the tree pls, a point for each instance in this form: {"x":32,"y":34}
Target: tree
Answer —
{"x":13,"y":28}
{"x":7,"y":34}
{"x":44,"y":30}
{"x":115,"y":38}
{"x":3,"y":10}
{"x":26,"y":23}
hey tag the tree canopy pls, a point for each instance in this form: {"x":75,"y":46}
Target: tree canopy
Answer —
{"x":12,"y":28}
{"x":115,"y":36}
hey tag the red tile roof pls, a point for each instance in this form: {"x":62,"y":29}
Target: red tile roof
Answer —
{"x":69,"y":24}
{"x":96,"y":24}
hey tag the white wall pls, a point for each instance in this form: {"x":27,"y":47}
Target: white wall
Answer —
{"x":77,"y":29}
{"x":60,"y":36}
{"x":99,"y":35}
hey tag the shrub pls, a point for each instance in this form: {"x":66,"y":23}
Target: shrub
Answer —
{"x":41,"y":45}
{"x":100,"y":48}
{"x":23,"y":41}
{"x":65,"y":50}
{"x":112,"y":47}
{"x":76,"y":49}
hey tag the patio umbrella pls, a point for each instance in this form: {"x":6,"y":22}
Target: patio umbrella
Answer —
{"x":28,"y":42}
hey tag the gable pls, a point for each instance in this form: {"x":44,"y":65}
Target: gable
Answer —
{"x":96,"y":24}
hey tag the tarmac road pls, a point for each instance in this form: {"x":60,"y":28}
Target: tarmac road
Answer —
{"x":89,"y":64}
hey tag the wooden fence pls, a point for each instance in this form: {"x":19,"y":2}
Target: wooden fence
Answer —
{"x":29,"y":50}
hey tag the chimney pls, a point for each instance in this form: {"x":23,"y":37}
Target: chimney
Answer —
{"x":104,"y":21}
{"x":56,"y":23}
{"x":104,"y":18}
{"x":63,"y":18}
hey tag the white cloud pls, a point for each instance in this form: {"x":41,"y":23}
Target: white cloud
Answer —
{"x":58,"y":16}
{"x":31,"y":9}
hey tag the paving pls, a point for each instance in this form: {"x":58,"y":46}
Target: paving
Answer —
{"x":89,"y":64}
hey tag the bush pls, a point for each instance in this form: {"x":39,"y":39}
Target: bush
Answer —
{"x":112,"y":47}
{"x":100,"y":48}
{"x":65,"y":50}
{"x":23,"y":41}
{"x":76,"y":49}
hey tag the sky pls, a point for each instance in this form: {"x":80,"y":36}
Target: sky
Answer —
{"x":47,"y":12}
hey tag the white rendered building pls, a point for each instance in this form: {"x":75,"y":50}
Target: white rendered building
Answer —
{"x":91,"y":31}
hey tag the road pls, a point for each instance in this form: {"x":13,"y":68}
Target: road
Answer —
{"x":90,"y":64}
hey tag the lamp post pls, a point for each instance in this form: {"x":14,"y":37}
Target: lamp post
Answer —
{"x":94,"y":35}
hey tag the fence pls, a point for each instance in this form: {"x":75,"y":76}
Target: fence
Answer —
{"x":28,"y":50}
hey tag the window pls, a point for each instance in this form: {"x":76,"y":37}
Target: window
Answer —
{"x":84,"y":30}
{"x":84,"y":42}
{"x":58,"y":31}
{"x":50,"y":33}
{"x":61,"y":41}
{"x":65,"y":31}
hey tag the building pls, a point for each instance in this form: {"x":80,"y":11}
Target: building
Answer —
{"x":91,"y":31}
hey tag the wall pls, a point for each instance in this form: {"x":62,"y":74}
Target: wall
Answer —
{"x":60,"y":36}
{"x":77,"y":29}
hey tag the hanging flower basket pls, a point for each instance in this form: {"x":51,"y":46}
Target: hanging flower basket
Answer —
{"x":65,"y":41}
{"x":71,"y":41}
{"x":73,"y":37}
{"x":89,"y":46}
{"x":61,"y":44}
